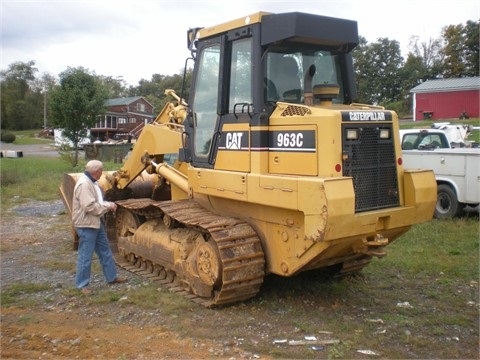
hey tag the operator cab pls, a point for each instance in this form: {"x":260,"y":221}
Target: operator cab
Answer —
{"x":244,"y":67}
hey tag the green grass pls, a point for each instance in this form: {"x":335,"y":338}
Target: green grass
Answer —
{"x":455,"y":244}
{"x":37,"y":178}
{"x":27,"y":140}
{"x":30,"y":137}
{"x":30,"y":178}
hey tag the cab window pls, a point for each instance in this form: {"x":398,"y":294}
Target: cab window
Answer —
{"x":205,"y":102}
{"x":240,"y":74}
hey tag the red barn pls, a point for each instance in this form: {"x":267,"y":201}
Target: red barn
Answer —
{"x":446,"y":98}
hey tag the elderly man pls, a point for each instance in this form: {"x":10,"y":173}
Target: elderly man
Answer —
{"x":88,"y":212}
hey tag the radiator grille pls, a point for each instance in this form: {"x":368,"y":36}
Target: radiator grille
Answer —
{"x":371,"y":162}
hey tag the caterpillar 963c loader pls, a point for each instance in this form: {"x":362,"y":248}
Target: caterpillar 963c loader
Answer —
{"x":277,"y":171}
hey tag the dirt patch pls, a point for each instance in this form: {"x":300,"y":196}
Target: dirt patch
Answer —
{"x":39,"y":334}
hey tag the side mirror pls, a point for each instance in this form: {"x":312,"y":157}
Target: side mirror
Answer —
{"x":192,"y":40}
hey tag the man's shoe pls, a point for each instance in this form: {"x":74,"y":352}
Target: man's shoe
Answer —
{"x":118,"y":280}
{"x":86,"y":291}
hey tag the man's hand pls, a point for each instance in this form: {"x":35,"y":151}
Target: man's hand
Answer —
{"x":112,"y":206}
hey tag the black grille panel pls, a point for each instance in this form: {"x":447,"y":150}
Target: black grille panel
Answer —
{"x":371,"y":162}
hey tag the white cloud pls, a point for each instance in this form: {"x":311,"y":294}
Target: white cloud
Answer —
{"x":136,"y":39}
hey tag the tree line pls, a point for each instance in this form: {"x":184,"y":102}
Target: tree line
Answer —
{"x":383,"y":77}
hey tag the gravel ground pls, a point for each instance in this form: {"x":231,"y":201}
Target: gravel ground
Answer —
{"x":24,"y":234}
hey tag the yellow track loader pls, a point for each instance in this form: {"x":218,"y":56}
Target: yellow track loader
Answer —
{"x":277,"y":170}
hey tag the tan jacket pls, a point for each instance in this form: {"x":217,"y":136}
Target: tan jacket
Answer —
{"x":87,"y":208}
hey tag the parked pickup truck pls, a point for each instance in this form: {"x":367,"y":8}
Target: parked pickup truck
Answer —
{"x":458,"y":177}
{"x":438,"y":136}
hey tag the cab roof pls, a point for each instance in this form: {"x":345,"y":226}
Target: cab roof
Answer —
{"x":295,"y":27}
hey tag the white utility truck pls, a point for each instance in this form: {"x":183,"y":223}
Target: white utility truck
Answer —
{"x":457,"y":172}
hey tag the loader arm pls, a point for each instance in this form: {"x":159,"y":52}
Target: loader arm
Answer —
{"x":162,"y":136}
{"x":156,"y":140}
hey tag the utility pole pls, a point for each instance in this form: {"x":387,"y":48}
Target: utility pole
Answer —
{"x":45,"y":109}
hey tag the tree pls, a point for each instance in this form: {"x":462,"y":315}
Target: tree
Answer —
{"x":116,"y":87}
{"x":43,"y":86}
{"x":154,"y":90}
{"x":472,"y":48}
{"x":431,"y":56}
{"x":362,"y":69}
{"x":76,"y":104}
{"x":18,"y":110}
{"x":461,"y":49}
{"x":453,"y":51}
{"x":377,"y":74}
{"x":411,"y":74}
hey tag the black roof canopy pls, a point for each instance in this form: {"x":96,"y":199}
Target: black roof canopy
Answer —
{"x":309,"y":28}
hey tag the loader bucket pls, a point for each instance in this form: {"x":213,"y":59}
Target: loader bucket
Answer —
{"x":66,"y":189}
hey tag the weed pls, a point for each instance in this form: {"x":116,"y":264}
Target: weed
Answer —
{"x":59,"y":265}
{"x":25,"y":319}
{"x":12,"y":294}
{"x":106,"y":297}
{"x":337,"y":351}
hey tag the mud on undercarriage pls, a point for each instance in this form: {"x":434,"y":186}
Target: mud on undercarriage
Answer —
{"x":211,"y":259}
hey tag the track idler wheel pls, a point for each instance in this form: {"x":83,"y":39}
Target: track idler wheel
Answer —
{"x":202,"y":271}
{"x":127,"y":222}
{"x":208,"y":264}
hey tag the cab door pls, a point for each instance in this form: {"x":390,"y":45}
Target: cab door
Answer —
{"x":204,"y":105}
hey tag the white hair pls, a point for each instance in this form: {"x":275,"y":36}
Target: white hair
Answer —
{"x":93,"y":166}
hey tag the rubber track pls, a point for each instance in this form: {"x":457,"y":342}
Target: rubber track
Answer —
{"x":241,"y":256}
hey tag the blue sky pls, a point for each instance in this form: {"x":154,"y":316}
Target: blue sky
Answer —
{"x":135,"y":39}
